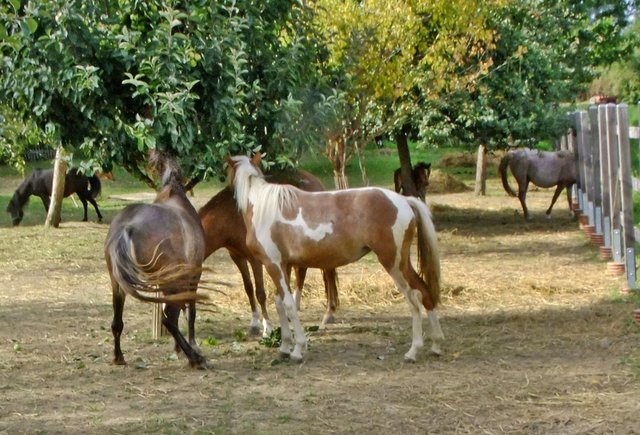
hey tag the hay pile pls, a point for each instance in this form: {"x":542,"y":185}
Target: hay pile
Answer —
{"x":440,"y":182}
{"x":468,"y":159}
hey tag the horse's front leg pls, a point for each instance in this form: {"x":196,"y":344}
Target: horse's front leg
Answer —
{"x":286,"y":308}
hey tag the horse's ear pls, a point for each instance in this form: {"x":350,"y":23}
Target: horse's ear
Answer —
{"x":229,"y":160}
{"x":256,"y":159}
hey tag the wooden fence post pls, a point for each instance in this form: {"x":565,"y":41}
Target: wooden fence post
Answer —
{"x":626,"y":193}
{"x":157,"y":328}
{"x":605,"y":252}
{"x":579,"y":126}
{"x":614,"y":177}
{"x":595,"y":158}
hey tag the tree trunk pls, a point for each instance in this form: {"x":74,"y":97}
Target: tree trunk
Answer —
{"x":481,"y":171}
{"x":57,"y":190}
{"x":337,"y":154}
{"x":402,"y":144}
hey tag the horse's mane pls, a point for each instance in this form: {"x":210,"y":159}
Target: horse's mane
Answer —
{"x":266,"y":198}
{"x":167,"y":169}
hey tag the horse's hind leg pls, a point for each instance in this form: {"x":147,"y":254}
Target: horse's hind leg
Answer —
{"x":330,"y":279}
{"x":191,"y":322}
{"x":170,"y":321}
{"x":522,"y":196}
{"x":95,"y":206}
{"x":301,"y":275}
{"x":117,"y":324}
{"x":84,"y":207}
{"x":556,"y":194}
{"x":241,"y":263}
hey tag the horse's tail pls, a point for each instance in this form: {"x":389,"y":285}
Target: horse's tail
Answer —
{"x":504,"y":163}
{"x":95,"y":186}
{"x":428,"y":254}
{"x":132,"y":277}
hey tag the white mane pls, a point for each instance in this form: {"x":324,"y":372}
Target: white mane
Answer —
{"x":252,"y":189}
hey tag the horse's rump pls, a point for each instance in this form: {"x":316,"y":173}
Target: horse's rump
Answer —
{"x":145,"y":259}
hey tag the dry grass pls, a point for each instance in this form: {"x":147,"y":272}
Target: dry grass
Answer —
{"x":539,"y":340}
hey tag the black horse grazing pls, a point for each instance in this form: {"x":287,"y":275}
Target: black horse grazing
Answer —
{"x":40,"y":182}
{"x":154,"y":253}
{"x":420,"y":175}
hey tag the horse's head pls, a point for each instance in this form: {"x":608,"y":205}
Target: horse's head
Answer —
{"x":240,"y":171}
{"x":243,"y":167}
{"x":15,"y":209}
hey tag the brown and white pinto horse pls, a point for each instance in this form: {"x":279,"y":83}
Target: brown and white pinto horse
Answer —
{"x":224,"y":228}
{"x":289,"y":227}
{"x":154,"y":253}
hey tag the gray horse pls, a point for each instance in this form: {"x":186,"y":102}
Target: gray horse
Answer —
{"x":542,"y":168}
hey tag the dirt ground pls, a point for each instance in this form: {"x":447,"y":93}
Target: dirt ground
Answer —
{"x":539,"y":340}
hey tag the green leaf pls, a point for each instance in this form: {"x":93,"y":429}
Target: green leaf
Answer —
{"x":33,"y":24}
{"x":15,"y":4}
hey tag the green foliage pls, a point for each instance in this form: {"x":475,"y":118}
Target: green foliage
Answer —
{"x":544,"y":54}
{"x":273,"y":340}
{"x":201,"y":79}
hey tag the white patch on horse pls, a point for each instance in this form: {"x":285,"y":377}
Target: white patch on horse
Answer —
{"x":316,"y":234}
{"x":403,"y":219}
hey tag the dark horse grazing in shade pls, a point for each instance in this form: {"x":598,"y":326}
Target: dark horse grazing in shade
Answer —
{"x":224,"y":227}
{"x":158,"y":248}
{"x":40,"y":182}
{"x":420,"y":176}
{"x":542,"y":168}
{"x":289,"y":227}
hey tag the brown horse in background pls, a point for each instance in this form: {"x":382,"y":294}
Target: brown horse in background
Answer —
{"x":419,"y":174}
{"x":158,"y":248}
{"x":542,"y":168}
{"x":224,"y":228}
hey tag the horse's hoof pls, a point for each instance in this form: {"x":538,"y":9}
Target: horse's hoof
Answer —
{"x":201,"y":364}
{"x":409,"y":359}
{"x":254,"y":331}
{"x":435,"y":350}
{"x":285,"y":356}
{"x":119,"y":362}
{"x":297,"y":359}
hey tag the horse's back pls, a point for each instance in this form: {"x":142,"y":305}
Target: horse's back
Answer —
{"x":331,"y":229}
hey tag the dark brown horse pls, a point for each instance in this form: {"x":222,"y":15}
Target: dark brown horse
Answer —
{"x":542,"y":168}
{"x":288,"y":227}
{"x":224,"y":228}
{"x":154,"y":253}
{"x":420,"y":176}
{"x":40,"y":182}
